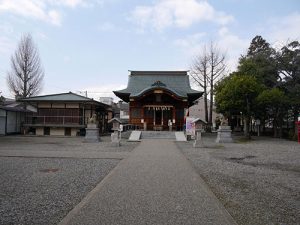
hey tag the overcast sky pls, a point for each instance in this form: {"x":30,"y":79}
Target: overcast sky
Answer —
{"x":90,"y":45}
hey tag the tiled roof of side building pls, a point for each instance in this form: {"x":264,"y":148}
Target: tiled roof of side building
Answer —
{"x":69,"y":96}
{"x":62,"y":97}
{"x":174,"y":81}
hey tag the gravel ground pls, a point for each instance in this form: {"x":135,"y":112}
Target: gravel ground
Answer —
{"x":43,"y":190}
{"x":51,"y":143}
{"x":258,"y":181}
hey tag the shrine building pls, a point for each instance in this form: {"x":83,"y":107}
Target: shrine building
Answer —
{"x":158,"y":99}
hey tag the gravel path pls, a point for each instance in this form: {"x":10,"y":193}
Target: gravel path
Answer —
{"x":258,"y":182}
{"x":43,"y":191}
{"x":51,"y":143}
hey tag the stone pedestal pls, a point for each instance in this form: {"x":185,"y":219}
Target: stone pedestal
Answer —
{"x":224,"y":135}
{"x":92,"y":133}
{"x":198,"y":143}
{"x":115,"y":139}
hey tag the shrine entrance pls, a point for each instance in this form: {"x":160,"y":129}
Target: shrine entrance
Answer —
{"x":157,"y":117}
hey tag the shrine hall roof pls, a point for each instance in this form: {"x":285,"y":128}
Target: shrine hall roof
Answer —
{"x":177,"y":82}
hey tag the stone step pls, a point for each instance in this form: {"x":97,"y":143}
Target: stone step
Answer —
{"x":158,"y":135}
{"x":180,"y":136}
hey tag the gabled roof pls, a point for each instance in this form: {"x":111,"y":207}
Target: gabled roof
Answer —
{"x":69,"y":96}
{"x":176,"y":82}
{"x":13,"y":106}
{"x":115,"y":119}
{"x":198,"y":119}
{"x":62,"y":97}
{"x":14,"y":109}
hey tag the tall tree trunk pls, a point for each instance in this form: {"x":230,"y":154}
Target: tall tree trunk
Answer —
{"x":205,"y":94}
{"x":295,"y":125}
{"x":247,"y":120}
{"x":211,"y":103}
{"x":275,"y":129}
{"x":212,"y":73}
{"x":205,"y":105}
{"x":280,"y":123}
{"x":247,"y":127}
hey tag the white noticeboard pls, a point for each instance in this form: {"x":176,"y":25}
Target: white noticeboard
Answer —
{"x":189,"y":126}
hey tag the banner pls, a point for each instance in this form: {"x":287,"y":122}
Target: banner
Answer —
{"x":190,"y":126}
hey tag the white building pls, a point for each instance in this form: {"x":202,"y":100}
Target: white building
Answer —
{"x":197,"y":111}
{"x":106,"y":100}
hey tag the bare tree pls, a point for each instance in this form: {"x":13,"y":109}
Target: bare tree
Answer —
{"x":217,"y":70}
{"x":207,"y":68}
{"x":199,"y":73}
{"x":26,"y":76}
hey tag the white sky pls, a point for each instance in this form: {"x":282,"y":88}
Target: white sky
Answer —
{"x":91,"y":45}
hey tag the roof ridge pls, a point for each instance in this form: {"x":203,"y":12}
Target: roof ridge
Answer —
{"x":64,"y":93}
{"x":159,"y":72}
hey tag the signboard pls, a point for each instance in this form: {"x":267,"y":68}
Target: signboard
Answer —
{"x":257,"y":122}
{"x":190,"y":126}
{"x":159,"y":107}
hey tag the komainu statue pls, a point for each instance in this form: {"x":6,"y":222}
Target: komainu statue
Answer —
{"x":224,"y":121}
{"x":93,"y":119}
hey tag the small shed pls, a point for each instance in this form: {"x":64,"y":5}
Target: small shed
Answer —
{"x":11,"y":120}
{"x":199,"y":124}
{"x":116,"y":124}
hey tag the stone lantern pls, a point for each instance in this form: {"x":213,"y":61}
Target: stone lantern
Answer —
{"x":199,"y":128}
{"x":117,"y":128}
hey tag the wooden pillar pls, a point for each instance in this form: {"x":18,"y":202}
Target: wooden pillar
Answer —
{"x":154,"y":116}
{"x":162,"y":117}
{"x":142,"y":112}
{"x":129,"y":113}
{"x":174,"y":114}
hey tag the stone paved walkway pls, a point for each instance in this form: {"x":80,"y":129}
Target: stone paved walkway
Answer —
{"x":154,"y":185}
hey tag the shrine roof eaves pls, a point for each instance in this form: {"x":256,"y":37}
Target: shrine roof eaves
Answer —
{"x":174,"y":81}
